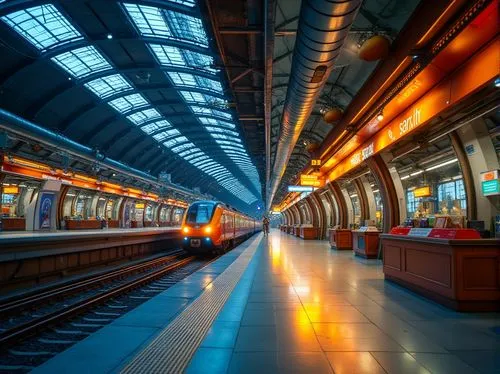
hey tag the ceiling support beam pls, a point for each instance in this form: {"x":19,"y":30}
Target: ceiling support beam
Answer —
{"x":269,"y":19}
{"x":240,"y":30}
{"x":243,"y":74}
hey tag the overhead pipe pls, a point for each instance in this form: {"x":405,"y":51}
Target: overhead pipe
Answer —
{"x":24,"y":128}
{"x":322,"y":29}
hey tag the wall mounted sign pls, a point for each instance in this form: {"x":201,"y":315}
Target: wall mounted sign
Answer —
{"x":300,"y":189}
{"x":13,"y":190}
{"x":45,"y":213}
{"x":490,"y":183}
{"x":424,"y":191}
{"x":311,"y":180}
{"x":315,"y":162}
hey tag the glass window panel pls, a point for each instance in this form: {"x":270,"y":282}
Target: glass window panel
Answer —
{"x":107,"y":86}
{"x":155,"y":126}
{"x":82,"y":61}
{"x":127,"y":103}
{"x":184,"y":26}
{"x":181,"y":139}
{"x":173,"y":56}
{"x":43,"y":26}
{"x":148,"y":20}
{"x":143,"y":116}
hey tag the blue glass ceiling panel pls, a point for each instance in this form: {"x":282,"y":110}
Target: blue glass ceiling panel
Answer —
{"x":43,"y":26}
{"x":172,"y":56}
{"x":215,"y":122}
{"x":192,"y":80}
{"x":82,"y":61}
{"x":210,"y":112}
{"x":155,"y":126}
{"x":167,"y":24}
{"x":200,"y":98}
{"x":108,"y":86}
{"x":127,"y":103}
{"x":180,"y":139}
{"x":144,"y":115}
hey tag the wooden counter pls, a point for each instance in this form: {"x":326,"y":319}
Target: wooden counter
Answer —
{"x":309,"y":233}
{"x":340,"y":239}
{"x":113,"y":223}
{"x":461,"y":274}
{"x":296,"y":231}
{"x":82,"y":224}
{"x":13,"y":224}
{"x":365,"y":243}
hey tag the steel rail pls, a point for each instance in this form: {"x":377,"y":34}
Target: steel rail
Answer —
{"x":29,"y":328}
{"x":32,"y":299}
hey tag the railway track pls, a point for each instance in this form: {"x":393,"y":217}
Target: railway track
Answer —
{"x":35,"y":321}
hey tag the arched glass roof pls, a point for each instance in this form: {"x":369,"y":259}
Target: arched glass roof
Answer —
{"x":201,"y":132}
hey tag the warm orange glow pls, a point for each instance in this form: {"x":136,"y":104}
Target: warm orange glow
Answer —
{"x":14,"y":190}
{"x":185,"y":230}
{"x":207,"y":229}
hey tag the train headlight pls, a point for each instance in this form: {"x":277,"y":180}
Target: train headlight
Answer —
{"x":207,"y":229}
{"x":185,"y":229}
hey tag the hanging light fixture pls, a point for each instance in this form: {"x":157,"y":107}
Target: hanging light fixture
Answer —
{"x":380,"y":116}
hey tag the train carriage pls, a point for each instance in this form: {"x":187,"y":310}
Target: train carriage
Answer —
{"x":211,"y":226}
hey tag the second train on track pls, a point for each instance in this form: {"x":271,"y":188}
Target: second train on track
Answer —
{"x":211,"y":226}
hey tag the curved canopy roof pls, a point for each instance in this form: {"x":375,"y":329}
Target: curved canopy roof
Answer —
{"x":137,"y":80}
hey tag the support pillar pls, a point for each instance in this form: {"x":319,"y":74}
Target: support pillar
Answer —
{"x":341,"y":204}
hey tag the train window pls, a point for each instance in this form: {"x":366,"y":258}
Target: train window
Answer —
{"x":200,"y":213}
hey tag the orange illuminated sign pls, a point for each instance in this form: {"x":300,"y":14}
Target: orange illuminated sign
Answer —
{"x":139,"y":206}
{"x":311,"y":180}
{"x":478,"y":71}
{"x":316,"y":162}
{"x":13,"y":190}
{"x":422,"y":191}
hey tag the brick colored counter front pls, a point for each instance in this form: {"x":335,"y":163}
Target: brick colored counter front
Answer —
{"x":365,"y":243}
{"x":309,"y":233}
{"x":13,"y":224}
{"x":340,"y":239}
{"x":83,"y":224}
{"x":461,"y":274}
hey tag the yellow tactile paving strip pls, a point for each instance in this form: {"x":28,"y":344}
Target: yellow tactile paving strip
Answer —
{"x":172,"y":349}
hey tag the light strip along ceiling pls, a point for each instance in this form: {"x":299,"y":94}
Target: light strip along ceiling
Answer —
{"x":47,"y":28}
{"x":170,"y":25}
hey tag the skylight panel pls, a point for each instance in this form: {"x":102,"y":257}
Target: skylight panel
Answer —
{"x":200,"y":158}
{"x":127,"y":103}
{"x":184,"y":26}
{"x":181,"y":139}
{"x":160,"y":136}
{"x":193,"y":155}
{"x":189,"y":3}
{"x":168,"y":55}
{"x":221,"y":130}
{"x":199,"y":98}
{"x":191,"y":80}
{"x":82,"y":61}
{"x":43,"y":26}
{"x":143,"y":116}
{"x":148,"y":20}
{"x":108,"y":86}
{"x":155,"y":126}
{"x":183,"y":154}
{"x":210,"y":112}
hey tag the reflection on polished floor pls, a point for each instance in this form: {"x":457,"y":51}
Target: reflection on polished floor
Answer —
{"x":304,"y":308}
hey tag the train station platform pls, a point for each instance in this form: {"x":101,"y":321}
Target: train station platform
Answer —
{"x":282,"y":305}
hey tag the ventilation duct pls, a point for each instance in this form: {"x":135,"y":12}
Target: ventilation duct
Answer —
{"x":322,"y":30}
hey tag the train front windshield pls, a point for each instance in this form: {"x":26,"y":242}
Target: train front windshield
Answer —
{"x":199,"y":214}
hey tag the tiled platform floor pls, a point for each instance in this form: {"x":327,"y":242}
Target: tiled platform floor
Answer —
{"x":304,"y":308}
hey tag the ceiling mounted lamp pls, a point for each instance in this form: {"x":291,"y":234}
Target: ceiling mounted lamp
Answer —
{"x":332,"y":115}
{"x":380,"y":116}
{"x":312,"y":147}
{"x":374,"y":48}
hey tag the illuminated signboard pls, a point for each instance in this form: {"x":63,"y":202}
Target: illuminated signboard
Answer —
{"x":139,"y":206}
{"x":315,"y":162}
{"x":300,"y":189}
{"x":480,"y":69}
{"x":422,"y":191}
{"x":490,"y":183}
{"x":311,"y":180}
{"x":13,"y":190}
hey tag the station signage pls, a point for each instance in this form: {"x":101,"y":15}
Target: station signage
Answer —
{"x":316,"y":163}
{"x":11,"y":190}
{"x":479,"y":70}
{"x":424,"y":191}
{"x":300,"y":189}
{"x":490,"y":183}
{"x":311,"y":180}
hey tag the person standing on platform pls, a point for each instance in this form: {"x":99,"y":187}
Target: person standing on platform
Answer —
{"x":265,"y":225}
